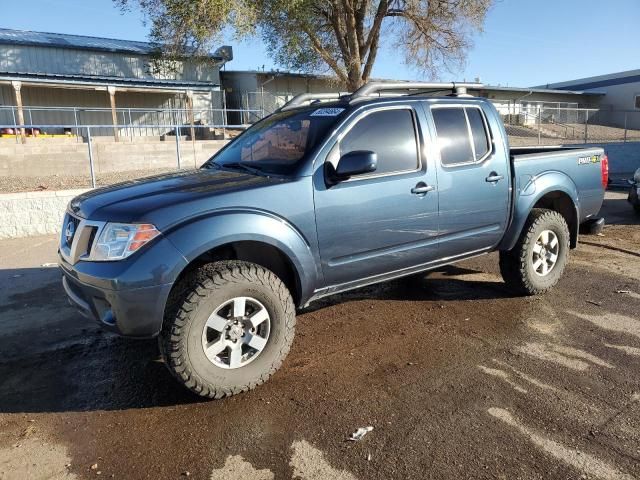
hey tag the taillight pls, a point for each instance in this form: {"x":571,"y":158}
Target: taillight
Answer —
{"x":604,"y":169}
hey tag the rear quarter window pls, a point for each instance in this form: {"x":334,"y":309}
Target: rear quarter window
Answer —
{"x":462,"y":135}
{"x":479,"y":133}
{"x":453,"y":136}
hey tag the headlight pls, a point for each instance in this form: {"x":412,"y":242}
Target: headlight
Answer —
{"x":636,"y":176}
{"x":119,"y":240}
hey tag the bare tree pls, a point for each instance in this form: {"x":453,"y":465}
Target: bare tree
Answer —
{"x":309,"y":35}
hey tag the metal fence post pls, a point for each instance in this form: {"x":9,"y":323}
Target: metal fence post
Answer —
{"x":75,"y":120}
{"x":586,"y":121}
{"x":625,"y":127}
{"x":178,"y":147}
{"x":224,"y":114}
{"x":93,"y":175}
{"x":130,"y":126}
{"x":539,"y":125}
{"x":15,"y":123}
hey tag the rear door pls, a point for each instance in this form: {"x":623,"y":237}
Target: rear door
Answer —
{"x":473,"y":179}
{"x":385,"y":221}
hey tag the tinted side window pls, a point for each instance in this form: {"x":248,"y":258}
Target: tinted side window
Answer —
{"x":389,"y":133}
{"x":479,"y":132}
{"x":453,"y":135}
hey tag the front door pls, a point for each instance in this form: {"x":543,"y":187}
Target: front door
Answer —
{"x":383,"y":221}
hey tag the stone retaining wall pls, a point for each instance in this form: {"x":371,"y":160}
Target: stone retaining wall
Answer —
{"x":33,"y":213}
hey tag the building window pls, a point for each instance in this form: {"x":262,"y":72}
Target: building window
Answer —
{"x":638,"y":101}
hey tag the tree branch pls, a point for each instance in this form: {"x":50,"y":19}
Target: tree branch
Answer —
{"x":324,"y":53}
{"x":374,"y":33}
{"x":371,"y":58}
{"x":353,"y":67}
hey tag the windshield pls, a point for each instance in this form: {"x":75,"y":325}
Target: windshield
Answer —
{"x":279,"y":142}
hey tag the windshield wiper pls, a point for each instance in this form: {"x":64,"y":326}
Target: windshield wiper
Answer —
{"x":241,"y":165}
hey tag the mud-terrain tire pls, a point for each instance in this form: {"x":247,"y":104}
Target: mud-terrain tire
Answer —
{"x":530,"y":268}
{"x":201,"y":300}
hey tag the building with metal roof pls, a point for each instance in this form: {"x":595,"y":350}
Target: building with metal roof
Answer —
{"x":262,"y":91}
{"x":620,"y":93}
{"x":95,"y":75}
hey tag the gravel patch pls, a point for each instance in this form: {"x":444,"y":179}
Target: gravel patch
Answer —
{"x":60,"y":182}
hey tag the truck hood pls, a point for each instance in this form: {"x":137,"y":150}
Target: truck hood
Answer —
{"x":136,"y":200}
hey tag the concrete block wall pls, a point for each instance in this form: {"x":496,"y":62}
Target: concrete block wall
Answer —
{"x":624,"y":158}
{"x":44,"y":158}
{"x":33,"y":213}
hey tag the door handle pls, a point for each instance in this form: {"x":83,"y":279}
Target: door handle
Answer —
{"x":422,"y":188}
{"x":494,"y":177}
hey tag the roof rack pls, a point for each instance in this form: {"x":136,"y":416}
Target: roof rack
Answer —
{"x":304,"y":98}
{"x":370,"y":89}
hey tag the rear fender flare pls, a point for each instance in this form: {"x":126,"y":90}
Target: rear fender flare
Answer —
{"x":530,"y":191}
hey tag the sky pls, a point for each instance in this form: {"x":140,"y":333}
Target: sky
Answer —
{"x":524,"y":43}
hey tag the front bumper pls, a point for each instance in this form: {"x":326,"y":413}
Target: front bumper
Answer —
{"x":129,"y":296}
{"x":131,"y":313}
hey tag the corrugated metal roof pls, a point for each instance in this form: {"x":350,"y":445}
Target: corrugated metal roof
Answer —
{"x":60,"y":40}
{"x":71,"y":79}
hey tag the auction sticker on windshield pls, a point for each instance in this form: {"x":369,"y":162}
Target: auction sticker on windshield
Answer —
{"x":327,"y":112}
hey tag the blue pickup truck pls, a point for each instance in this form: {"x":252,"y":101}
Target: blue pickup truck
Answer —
{"x":325,"y":195}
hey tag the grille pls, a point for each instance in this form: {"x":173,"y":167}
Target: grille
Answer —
{"x":70,"y":229}
{"x":77,"y":237}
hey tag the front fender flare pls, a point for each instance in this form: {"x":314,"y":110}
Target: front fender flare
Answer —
{"x":530,"y":191}
{"x":220,"y":228}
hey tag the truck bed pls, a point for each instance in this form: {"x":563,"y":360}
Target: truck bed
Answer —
{"x":579,"y":166}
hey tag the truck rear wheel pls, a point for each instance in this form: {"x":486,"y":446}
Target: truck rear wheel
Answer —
{"x":228,"y":328}
{"x":538,"y":260}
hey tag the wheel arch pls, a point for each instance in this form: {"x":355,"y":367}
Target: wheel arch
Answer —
{"x":253,"y":237}
{"x":553,"y":191}
{"x":258,"y":252}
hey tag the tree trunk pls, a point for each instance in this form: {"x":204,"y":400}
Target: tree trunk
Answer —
{"x":355,"y":81}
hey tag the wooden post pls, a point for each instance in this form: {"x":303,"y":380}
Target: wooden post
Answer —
{"x":17,"y":86}
{"x":114,"y":113}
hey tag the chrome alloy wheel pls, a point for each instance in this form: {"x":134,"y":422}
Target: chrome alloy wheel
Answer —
{"x":545,"y":253}
{"x":236,"y":332}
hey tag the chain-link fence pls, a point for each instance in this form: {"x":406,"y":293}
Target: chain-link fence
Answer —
{"x":60,"y":163}
{"x":249,"y":107}
{"x":130,"y":123}
{"x":545,"y":125}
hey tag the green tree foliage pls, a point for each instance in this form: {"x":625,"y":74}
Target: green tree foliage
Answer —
{"x":312,"y":35}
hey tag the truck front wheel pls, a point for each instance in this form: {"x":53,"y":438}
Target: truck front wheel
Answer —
{"x":227,"y":328}
{"x":538,"y":260}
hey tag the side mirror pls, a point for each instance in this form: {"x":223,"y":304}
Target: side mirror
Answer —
{"x":356,"y":163}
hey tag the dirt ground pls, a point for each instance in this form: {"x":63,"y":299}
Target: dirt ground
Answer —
{"x":459,"y":379}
